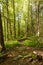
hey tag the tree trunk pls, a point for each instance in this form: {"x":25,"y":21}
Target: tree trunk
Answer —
{"x":14,"y":19}
{"x":18,"y":27}
{"x":10,"y":30}
{"x":4,"y":26}
{"x":1,"y":34}
{"x":7,"y":23}
{"x":32,"y":23}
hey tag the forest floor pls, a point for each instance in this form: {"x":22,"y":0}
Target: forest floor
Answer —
{"x":21,"y":55}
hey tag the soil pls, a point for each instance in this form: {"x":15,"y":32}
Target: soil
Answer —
{"x":19,"y":56}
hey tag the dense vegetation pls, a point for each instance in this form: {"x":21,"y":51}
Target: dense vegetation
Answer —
{"x":21,"y":25}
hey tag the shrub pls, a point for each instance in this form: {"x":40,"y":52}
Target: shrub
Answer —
{"x":34,"y":42}
{"x":28,"y":43}
{"x":11,"y":44}
{"x":17,"y":43}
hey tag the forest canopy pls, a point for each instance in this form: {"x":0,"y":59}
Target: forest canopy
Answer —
{"x":21,"y":19}
{"x":21,"y":32}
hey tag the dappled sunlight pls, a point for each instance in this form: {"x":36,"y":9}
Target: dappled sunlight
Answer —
{"x":21,"y":32}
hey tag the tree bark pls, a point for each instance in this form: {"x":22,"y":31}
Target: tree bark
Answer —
{"x":18,"y":27}
{"x":14,"y":19}
{"x":7,"y":22}
{"x":1,"y":34}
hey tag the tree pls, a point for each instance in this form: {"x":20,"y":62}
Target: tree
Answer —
{"x":14,"y":19}
{"x":7,"y":22}
{"x":4,"y":24}
{"x":32,"y":22}
{"x":1,"y":34}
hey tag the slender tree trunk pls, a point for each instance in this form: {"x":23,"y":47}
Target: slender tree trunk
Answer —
{"x":1,"y":34}
{"x":27,"y":26}
{"x":4,"y":26}
{"x":10,"y":30}
{"x":7,"y":23}
{"x":31,"y":21}
{"x":38,"y":19}
{"x":18,"y":27}
{"x":14,"y":19}
{"x":27,"y":22}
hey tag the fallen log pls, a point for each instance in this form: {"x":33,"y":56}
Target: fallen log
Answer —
{"x":23,"y":39}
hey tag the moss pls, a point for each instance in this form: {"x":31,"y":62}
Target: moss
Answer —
{"x":11,"y":44}
{"x":33,"y":43}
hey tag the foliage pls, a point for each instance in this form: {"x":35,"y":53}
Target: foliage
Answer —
{"x":22,"y":18}
{"x":34,"y":42}
{"x":11,"y":44}
{"x":28,"y":42}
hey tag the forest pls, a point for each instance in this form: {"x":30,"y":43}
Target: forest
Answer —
{"x":21,"y":32}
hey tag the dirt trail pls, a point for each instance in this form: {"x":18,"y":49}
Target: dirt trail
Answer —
{"x":15,"y":56}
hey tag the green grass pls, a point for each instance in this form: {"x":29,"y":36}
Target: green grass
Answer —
{"x":11,"y":44}
{"x":28,"y":42}
{"x":32,"y":43}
